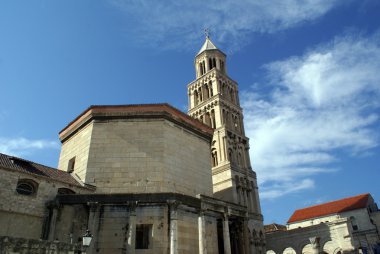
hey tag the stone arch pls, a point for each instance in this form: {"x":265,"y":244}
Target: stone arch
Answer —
{"x":199,"y":95}
{"x":289,"y":250}
{"x":230,"y":155}
{"x":331,"y":248}
{"x":307,"y":249}
{"x":196,"y":98}
{"x":213,"y":123}
{"x":65,"y":191}
{"x":207,"y":119}
{"x":210,"y":88}
{"x":206,"y":92}
{"x":214,"y":156}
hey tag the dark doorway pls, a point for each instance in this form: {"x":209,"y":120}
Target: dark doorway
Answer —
{"x":220,"y":236}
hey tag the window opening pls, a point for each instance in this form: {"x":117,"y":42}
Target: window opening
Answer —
{"x":26,"y":187}
{"x":71,"y":165}
{"x":143,"y":233}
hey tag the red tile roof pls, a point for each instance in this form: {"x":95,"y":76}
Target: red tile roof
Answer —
{"x":333,"y":207}
{"x":29,"y":167}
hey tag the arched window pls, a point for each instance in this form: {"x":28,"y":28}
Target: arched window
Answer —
{"x":210,"y":87}
{"x":210,"y":63}
{"x":206,"y":92}
{"x":214,"y":63}
{"x":207,"y":119}
{"x":213,"y":123}
{"x":26,"y":187}
{"x":201,"y":68}
{"x":65,"y":191}
{"x":196,"y":99}
{"x":214,"y":158}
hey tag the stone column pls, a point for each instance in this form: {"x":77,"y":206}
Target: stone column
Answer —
{"x":246,"y":236}
{"x":93,"y":225}
{"x":53,"y":222}
{"x":131,"y":234}
{"x":315,"y":244}
{"x":226,"y":235}
{"x":207,"y":64}
{"x":173,"y":207}
{"x":202,"y":233}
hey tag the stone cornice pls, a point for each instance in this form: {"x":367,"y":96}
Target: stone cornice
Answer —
{"x":114,"y":112}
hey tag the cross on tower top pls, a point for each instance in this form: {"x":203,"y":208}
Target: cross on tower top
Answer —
{"x":207,"y":33}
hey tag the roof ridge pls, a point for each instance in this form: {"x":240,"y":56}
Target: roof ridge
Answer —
{"x":333,"y":201}
{"x":29,"y":161}
{"x":331,"y":207}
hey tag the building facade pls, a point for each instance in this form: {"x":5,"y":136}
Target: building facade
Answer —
{"x":144,"y":179}
{"x":349,"y":225}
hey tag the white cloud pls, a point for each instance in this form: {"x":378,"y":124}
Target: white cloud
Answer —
{"x":321,"y":103}
{"x":284,"y":188}
{"x":153,"y":22}
{"x":22,"y":146}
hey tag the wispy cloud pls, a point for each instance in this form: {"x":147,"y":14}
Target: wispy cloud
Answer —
{"x":154,"y":22}
{"x":321,"y":103}
{"x":22,"y":146}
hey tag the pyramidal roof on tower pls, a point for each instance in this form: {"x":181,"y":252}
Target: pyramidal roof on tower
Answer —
{"x":208,"y":45}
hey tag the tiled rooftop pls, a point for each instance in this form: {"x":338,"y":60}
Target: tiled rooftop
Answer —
{"x":333,"y":207}
{"x":25,"y":166}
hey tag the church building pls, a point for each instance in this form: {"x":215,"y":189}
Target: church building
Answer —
{"x":142,"y":179}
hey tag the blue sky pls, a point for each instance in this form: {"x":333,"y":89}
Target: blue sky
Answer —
{"x":308,"y":75}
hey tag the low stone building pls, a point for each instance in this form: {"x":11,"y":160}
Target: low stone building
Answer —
{"x":26,"y":190}
{"x":348,"y":225}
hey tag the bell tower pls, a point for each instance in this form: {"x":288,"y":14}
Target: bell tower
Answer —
{"x":214,"y":100}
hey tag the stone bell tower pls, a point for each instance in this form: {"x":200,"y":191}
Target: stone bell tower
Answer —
{"x":214,"y":100}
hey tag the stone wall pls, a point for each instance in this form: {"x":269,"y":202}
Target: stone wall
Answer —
{"x":140,"y":156}
{"x":23,"y":215}
{"x":112,"y":228}
{"x":77,"y":148}
{"x":10,"y":245}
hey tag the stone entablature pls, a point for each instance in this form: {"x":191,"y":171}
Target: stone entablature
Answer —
{"x":132,"y":111}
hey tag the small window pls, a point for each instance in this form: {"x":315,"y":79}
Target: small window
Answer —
{"x":353,"y":223}
{"x":65,"y":191}
{"x":71,"y":165}
{"x":26,"y":187}
{"x":143,"y":235}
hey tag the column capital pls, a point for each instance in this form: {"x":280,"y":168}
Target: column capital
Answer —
{"x":173,"y":207}
{"x":93,"y":206}
{"x":132,"y":205}
{"x":53,"y":204}
{"x":314,"y":241}
{"x":202,"y":211}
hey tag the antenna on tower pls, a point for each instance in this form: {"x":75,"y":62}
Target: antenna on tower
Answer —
{"x":207,"y":32}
